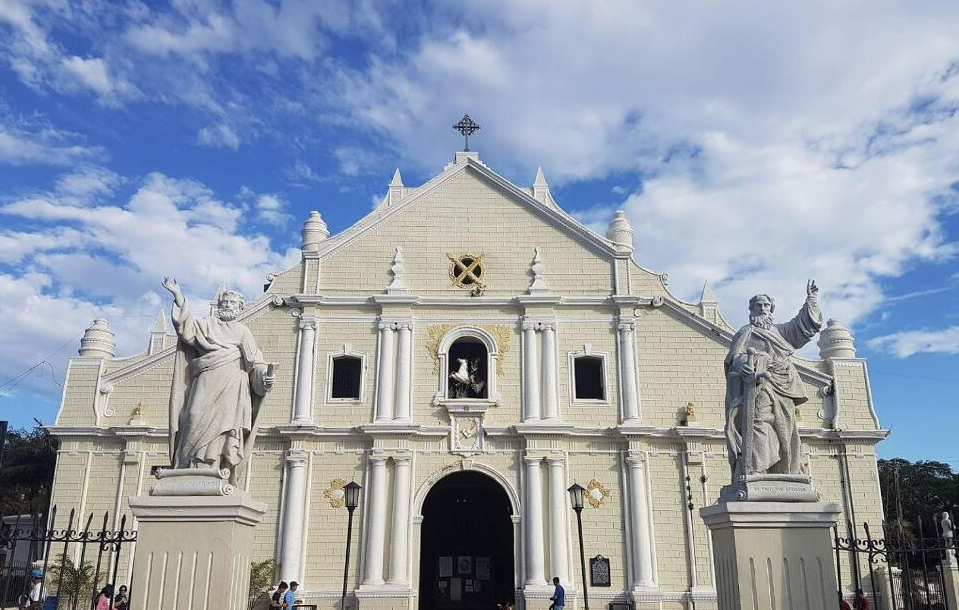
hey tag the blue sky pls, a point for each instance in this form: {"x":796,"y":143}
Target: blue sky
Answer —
{"x":752,"y":145}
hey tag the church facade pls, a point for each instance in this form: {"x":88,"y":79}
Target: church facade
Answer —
{"x":466,"y":352}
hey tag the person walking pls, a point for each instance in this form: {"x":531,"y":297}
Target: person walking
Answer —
{"x":276,"y":603}
{"x":103,"y":599}
{"x":290,"y":598}
{"x":122,"y":600}
{"x":559,"y":595}
{"x":31,"y":601}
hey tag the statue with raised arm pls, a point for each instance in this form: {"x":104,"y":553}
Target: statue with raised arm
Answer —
{"x":219,"y":380}
{"x":763,"y":389}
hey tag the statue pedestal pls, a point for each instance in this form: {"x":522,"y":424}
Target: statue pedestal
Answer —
{"x":950,"y":581}
{"x":193,"y":551}
{"x":773,"y":554}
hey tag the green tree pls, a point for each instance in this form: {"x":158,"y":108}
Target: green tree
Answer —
{"x":920,"y":490}
{"x":74,"y":582}
{"x":261,"y":578}
{"x":26,"y":476}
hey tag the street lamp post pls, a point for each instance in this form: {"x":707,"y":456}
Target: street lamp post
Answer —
{"x":576,"y":500}
{"x":352,"y":497}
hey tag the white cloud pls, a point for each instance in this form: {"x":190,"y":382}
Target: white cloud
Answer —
{"x":90,"y":72}
{"x":90,"y":258}
{"x":41,"y":145}
{"x":219,"y":136}
{"x":776,"y":142}
{"x":906,"y":343}
{"x":270,"y":209}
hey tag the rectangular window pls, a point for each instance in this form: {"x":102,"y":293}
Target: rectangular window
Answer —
{"x":346,"y":378}
{"x":588,"y":377}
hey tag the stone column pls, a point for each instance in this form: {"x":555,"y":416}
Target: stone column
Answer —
{"x":627,"y":369}
{"x":399,"y":545}
{"x":401,"y":407}
{"x":294,"y":512}
{"x":558,"y":540}
{"x":303,"y":399}
{"x":531,"y":382}
{"x":773,"y":554}
{"x":376,"y":524}
{"x":640,"y":532}
{"x":535,"y":570}
{"x":384,"y":374}
{"x":550,"y":402}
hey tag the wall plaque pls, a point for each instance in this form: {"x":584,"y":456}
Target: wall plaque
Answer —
{"x":599,"y":571}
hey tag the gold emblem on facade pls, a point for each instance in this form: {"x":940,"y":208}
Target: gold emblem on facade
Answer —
{"x":466,"y":270}
{"x":335,"y":493}
{"x":596,"y":493}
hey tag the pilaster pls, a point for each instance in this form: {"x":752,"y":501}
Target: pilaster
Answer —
{"x":558,"y":538}
{"x":535,"y":568}
{"x":399,"y":535}
{"x":401,"y":405}
{"x":376,"y":525}
{"x":294,"y":518}
{"x":384,"y":374}
{"x":305,"y":365}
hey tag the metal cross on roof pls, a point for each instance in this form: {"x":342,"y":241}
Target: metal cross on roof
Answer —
{"x":467,"y":127}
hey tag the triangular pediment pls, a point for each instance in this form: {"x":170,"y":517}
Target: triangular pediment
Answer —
{"x":467,"y":209}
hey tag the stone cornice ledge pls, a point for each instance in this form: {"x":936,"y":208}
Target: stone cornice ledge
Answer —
{"x":239,"y":508}
{"x":770,"y":514}
{"x":401,"y":429}
{"x":545,"y":428}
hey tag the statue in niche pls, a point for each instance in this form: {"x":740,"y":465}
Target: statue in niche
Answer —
{"x":763,"y":389}
{"x":219,"y":380}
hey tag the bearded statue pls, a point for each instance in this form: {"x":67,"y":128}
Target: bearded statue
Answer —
{"x":763,"y":389}
{"x":219,"y":380}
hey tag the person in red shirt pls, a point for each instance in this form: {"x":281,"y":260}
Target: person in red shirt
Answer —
{"x":860,"y":602}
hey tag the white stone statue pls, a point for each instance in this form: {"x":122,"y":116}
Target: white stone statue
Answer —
{"x":219,"y":380}
{"x":762,"y":380}
{"x":945,"y":526}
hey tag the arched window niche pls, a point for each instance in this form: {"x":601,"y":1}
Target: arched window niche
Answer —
{"x":468,"y":358}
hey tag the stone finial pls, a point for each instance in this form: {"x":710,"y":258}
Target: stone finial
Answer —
{"x":138,"y":418}
{"x":708,"y":296}
{"x":398,"y":285}
{"x":835,"y":341}
{"x":538,"y":286}
{"x":158,"y":333}
{"x":396,"y":188}
{"x":98,"y":340}
{"x":540,"y":187}
{"x":314,"y":232}
{"x":620,"y":232}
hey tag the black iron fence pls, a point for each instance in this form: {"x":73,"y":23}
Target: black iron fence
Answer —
{"x":75,"y":559}
{"x":899,"y":571}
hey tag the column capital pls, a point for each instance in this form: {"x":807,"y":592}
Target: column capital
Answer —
{"x":533,"y":460}
{"x":307,"y":323}
{"x":533,"y":326}
{"x":550,"y":326}
{"x":555,"y":461}
{"x":403,"y":325}
{"x":384,"y":325}
{"x":635,"y":459}
{"x":626,"y":324}
{"x":378,"y":460}
{"x":402,"y":459}
{"x":296,"y":458}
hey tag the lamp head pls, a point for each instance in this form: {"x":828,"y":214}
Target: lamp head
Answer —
{"x":352,"y":495}
{"x":576,"y":496}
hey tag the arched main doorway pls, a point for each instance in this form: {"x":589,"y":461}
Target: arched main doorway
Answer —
{"x":466,"y":549}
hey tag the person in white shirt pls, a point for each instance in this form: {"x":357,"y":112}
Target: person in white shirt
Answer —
{"x":33,"y":596}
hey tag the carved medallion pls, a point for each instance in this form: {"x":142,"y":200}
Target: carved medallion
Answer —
{"x":335,"y":493}
{"x":596,"y":493}
{"x":466,"y":270}
{"x":467,"y":434}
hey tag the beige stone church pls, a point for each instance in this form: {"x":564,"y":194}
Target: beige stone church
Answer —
{"x":465,"y":353}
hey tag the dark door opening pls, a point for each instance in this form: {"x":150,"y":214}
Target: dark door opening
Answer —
{"x":466,"y":553}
